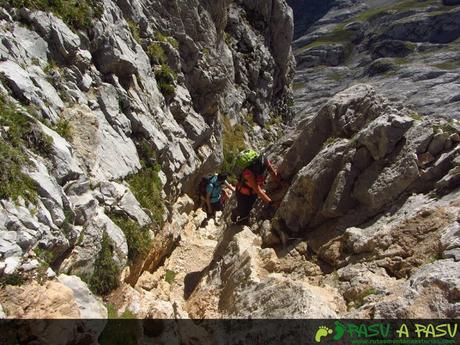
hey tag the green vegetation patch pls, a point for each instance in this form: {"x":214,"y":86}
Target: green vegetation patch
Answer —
{"x":166,"y":78}
{"x":146,"y":185}
{"x":138,"y":237}
{"x":106,"y":272}
{"x":232,"y":142}
{"x":297,"y":86}
{"x":45,"y":255}
{"x":112,"y":312}
{"x":166,"y":39}
{"x":156,"y":53}
{"x":339,"y":35}
{"x":170,"y":276}
{"x":135,"y":30}
{"x":64,"y":129}
{"x":448,"y":65}
{"x":14,"y":279}
{"x":77,"y":14}
{"x":399,"y":6}
{"x":18,"y":132}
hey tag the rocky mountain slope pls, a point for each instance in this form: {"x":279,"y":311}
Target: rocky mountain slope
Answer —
{"x":107,"y":125}
{"x":408,"y":50}
{"x":110,"y":110}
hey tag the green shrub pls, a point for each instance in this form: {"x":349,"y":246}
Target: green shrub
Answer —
{"x":167,"y":39}
{"x":128,"y":315}
{"x":232,"y":143}
{"x":156,"y":53}
{"x":135,"y":30}
{"x":138,"y":237}
{"x":19,"y":132}
{"x":146,"y":185}
{"x":106,"y":272}
{"x":45,"y":255}
{"x":14,"y":279}
{"x":77,"y":14}
{"x":112,"y":312}
{"x":165,"y":78}
{"x":13,"y":182}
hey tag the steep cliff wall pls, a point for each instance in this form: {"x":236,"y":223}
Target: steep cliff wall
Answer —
{"x":112,"y":109}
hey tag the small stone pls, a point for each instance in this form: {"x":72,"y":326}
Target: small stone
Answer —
{"x":50,"y":273}
{"x":29,"y":266}
{"x":12,"y":264}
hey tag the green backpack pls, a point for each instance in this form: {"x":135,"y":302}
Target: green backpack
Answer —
{"x":244,"y":160}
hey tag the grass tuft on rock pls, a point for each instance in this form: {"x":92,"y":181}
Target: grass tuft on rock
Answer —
{"x":106,"y":272}
{"x":138,"y":237}
{"x":19,"y":132}
{"x":135,"y":30}
{"x":14,"y":279}
{"x":77,"y":14}
{"x":64,"y":129}
{"x":146,"y":185}
{"x":166,"y":78}
{"x":166,"y":39}
{"x":233,"y":142}
{"x":156,"y":53}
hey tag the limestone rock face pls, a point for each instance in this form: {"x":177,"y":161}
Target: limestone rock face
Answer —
{"x":90,"y":306}
{"x":358,"y":154}
{"x":247,"y":285}
{"x":54,"y":300}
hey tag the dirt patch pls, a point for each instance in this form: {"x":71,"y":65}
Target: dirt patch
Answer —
{"x":419,"y":240}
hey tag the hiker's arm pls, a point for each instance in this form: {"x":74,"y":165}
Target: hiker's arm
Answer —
{"x":229,"y":186}
{"x":260,"y":192}
{"x":273,"y":172}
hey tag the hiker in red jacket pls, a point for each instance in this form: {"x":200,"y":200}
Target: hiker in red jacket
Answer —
{"x":250,"y":186}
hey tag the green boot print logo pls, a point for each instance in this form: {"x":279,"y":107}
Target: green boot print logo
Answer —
{"x":324,"y":331}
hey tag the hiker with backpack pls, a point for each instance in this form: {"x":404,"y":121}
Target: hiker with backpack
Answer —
{"x":251,"y":184}
{"x":211,"y":190}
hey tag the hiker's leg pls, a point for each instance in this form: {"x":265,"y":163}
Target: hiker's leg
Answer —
{"x":245,"y":207}
{"x":217,"y":207}
{"x":248,"y":203}
{"x":238,"y":210}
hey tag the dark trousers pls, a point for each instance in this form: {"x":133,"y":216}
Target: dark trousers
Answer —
{"x":243,"y":207}
{"x":216,"y":206}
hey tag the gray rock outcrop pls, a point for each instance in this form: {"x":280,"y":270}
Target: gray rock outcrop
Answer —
{"x":358,"y":153}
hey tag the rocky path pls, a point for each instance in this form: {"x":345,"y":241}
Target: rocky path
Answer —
{"x":165,"y":292}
